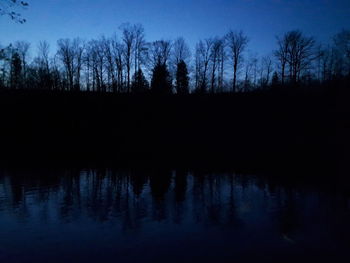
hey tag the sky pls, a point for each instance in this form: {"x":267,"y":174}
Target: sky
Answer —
{"x":261,"y":20}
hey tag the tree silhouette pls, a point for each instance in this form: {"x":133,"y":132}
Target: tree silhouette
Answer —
{"x":119,"y":64}
{"x":128,"y":40}
{"x":216,"y":61}
{"x":342,"y":51}
{"x":161,"y":81}
{"x":66,"y":54}
{"x":281,"y":55}
{"x":160,"y":52}
{"x":181,"y":51}
{"x":71,"y":55}
{"x":44,"y":77}
{"x":140,"y":47}
{"x":8,"y":7}
{"x":275,"y":80}
{"x":16,"y":69}
{"x":139,"y":82}
{"x":22,"y":48}
{"x":297,"y":52}
{"x":182,"y":79}
{"x":237,"y":43}
{"x":266,"y":69}
{"x":203,"y":56}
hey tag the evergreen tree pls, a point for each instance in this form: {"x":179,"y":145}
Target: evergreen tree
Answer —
{"x":139,"y":82}
{"x":161,"y":80}
{"x":182,"y":78}
{"x":16,"y":69}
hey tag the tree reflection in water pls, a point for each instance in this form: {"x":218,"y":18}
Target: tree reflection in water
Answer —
{"x":255,"y":213}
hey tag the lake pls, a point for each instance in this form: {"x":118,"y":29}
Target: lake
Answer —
{"x":163,"y":215}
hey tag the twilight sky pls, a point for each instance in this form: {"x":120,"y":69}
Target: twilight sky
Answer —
{"x":261,"y":20}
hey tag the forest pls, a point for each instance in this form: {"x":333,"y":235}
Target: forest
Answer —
{"x":128,"y":63}
{"x":126,"y":98}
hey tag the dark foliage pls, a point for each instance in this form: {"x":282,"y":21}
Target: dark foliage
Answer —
{"x":161,"y":80}
{"x":182,"y":78}
{"x":139,"y":83}
{"x":282,"y":126}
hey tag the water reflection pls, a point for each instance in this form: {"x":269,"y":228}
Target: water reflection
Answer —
{"x":150,"y":215}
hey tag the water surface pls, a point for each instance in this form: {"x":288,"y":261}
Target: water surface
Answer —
{"x":106,"y":215}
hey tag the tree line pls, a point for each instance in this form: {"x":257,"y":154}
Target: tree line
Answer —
{"x":128,"y":63}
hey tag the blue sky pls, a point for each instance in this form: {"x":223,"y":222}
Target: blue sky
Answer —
{"x":261,"y":20}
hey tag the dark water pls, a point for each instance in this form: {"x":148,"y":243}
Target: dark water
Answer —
{"x":169,"y":216}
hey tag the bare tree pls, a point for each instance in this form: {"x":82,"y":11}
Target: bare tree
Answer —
{"x":181,"y":51}
{"x":98,"y":64}
{"x":221,"y":62}
{"x":4,"y":61}
{"x":203,"y":52}
{"x":118,"y":50}
{"x":22,"y":48}
{"x":300,"y":54}
{"x":89,"y":65}
{"x":140,"y":49}
{"x":128,"y":40}
{"x":282,"y":55}
{"x":9,"y":7}
{"x":43,"y":67}
{"x":266,"y":70}
{"x":109,"y":62}
{"x":249,"y":73}
{"x":160,"y":51}
{"x":254,"y":62}
{"x":215,"y":60}
{"x":66,"y":54}
{"x":297,"y":51}
{"x":16,"y":69}
{"x":237,"y":43}
{"x":95,"y":64}
{"x":79,"y":49}
{"x":43,"y":53}
{"x":71,"y":55}
{"x":342,"y":52}
{"x":326,"y":61}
